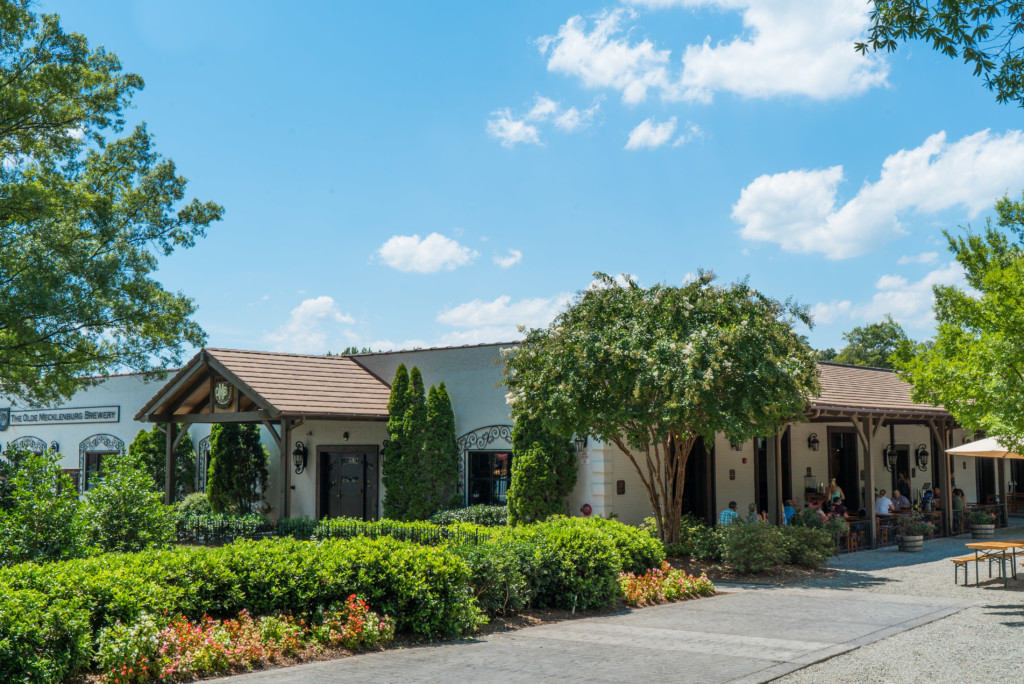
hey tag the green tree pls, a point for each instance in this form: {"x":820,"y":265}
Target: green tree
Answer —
{"x":84,"y":218}
{"x":439,"y":462}
{"x":975,"y":364}
{"x":873,"y":344}
{"x":985,"y":34}
{"x":393,"y":471}
{"x":237,"y":479}
{"x":829,"y":354}
{"x":151,"y":450}
{"x":543,"y":472}
{"x":125,"y":512}
{"x":42,"y":521}
{"x":652,"y":370}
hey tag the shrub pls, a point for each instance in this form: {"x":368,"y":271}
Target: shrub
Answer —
{"x":490,"y":516}
{"x":283,"y":634}
{"x":150,"y":448}
{"x":981,"y":517}
{"x":696,"y":539}
{"x":503,"y":571}
{"x":194,"y":504}
{"x":753,"y":547}
{"x":40,"y":520}
{"x":914,"y":525}
{"x":353,"y":626}
{"x":439,"y":463}
{"x":661,"y":584}
{"x":807,"y":546}
{"x":123,"y":512}
{"x":575,"y":568}
{"x":238,"y":469}
{"x":41,"y":640}
{"x":543,"y":472}
{"x":127,"y":651}
{"x":638,"y":550}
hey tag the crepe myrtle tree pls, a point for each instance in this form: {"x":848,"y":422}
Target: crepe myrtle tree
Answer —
{"x":652,"y":370}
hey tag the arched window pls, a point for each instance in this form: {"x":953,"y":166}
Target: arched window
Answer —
{"x":486,"y":453}
{"x":90,"y":457}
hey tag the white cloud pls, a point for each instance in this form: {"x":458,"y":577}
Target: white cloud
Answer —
{"x":798,"y":209}
{"x":513,"y":258}
{"x":691,"y":131}
{"x":788,"y":47}
{"x":511,"y":130}
{"x":650,"y":134}
{"x":433,"y":253}
{"x":909,"y":302}
{"x":310,"y":327}
{"x":922,"y":258}
{"x":504,"y":313}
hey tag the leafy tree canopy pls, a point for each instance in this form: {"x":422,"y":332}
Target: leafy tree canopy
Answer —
{"x":984,"y":34}
{"x":83,"y":218}
{"x":651,"y":370}
{"x":975,"y":365}
{"x":873,"y":344}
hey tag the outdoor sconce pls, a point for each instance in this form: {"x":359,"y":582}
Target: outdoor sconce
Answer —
{"x":889,"y":457}
{"x":55,"y":447}
{"x":299,"y":454}
{"x":345,"y":436}
{"x":812,"y":441}
{"x":921,"y":456}
{"x":581,"y":443}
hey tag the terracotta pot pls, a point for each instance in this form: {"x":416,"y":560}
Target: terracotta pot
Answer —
{"x":910,"y":543}
{"x":983,"y":531}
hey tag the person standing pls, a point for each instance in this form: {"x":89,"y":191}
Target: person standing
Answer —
{"x":903,"y":484}
{"x":833,"y":489}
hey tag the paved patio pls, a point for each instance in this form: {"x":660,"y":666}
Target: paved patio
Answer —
{"x":745,"y":635}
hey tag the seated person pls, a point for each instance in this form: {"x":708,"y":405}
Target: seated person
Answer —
{"x":959,"y":500}
{"x":838,"y":508}
{"x":883,"y":504}
{"x":900,"y":502}
{"x":729,"y":515}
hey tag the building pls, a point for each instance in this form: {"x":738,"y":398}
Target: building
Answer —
{"x":324,"y":422}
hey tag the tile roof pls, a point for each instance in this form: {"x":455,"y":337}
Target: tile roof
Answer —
{"x":296,"y":383}
{"x":872,"y":389}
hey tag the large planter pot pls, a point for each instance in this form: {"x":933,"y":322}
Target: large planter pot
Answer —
{"x":910,"y":542}
{"x":983,"y":531}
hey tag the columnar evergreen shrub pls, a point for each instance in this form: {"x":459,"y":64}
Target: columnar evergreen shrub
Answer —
{"x":238,"y":475}
{"x":151,"y":450}
{"x":393,"y":470}
{"x":124,"y":512}
{"x":543,"y":472}
{"x":439,"y":464}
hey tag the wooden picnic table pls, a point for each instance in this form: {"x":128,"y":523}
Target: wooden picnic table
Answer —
{"x":993,"y":550}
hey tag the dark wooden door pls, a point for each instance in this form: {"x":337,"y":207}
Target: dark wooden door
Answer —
{"x":348,"y":483}
{"x":842,"y":464}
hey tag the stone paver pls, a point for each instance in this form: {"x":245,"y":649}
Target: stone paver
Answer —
{"x":745,"y":635}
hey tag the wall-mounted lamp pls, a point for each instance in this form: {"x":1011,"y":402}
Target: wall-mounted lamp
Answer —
{"x":581,"y":443}
{"x":921,"y":456}
{"x":345,"y":436}
{"x":299,"y":454}
{"x":889,"y":457}
{"x":55,"y":447}
{"x":813,"y":441}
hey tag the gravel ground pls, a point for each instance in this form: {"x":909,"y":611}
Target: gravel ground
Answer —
{"x":982,"y":643}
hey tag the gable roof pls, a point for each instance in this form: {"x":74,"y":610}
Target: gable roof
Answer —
{"x":862,"y":389}
{"x":274,"y":385}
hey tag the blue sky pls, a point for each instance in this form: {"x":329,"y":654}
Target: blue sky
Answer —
{"x":419,"y":174}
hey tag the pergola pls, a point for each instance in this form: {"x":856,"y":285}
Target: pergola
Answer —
{"x":868,"y":398}
{"x":278,"y":391}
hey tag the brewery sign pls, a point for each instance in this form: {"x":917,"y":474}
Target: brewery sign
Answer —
{"x":66,"y":416}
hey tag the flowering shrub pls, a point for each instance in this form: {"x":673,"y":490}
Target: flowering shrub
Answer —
{"x":127,"y":651}
{"x":662,"y":584}
{"x":981,"y":517}
{"x":209,"y":646}
{"x":354,"y":626}
{"x":283,"y":634}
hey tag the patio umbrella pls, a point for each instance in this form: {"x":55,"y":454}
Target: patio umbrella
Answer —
{"x":986,"y":448}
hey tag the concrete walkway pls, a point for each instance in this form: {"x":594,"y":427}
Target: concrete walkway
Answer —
{"x":745,"y":635}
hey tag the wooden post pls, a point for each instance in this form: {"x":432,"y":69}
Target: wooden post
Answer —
{"x":866,"y":433}
{"x":170,"y":465}
{"x":286,"y":471}
{"x":1003,"y":489}
{"x":947,"y":481}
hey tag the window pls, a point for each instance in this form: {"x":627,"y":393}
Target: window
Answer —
{"x":490,"y":473}
{"x":94,"y":467}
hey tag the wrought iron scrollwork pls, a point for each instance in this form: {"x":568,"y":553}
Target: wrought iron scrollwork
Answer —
{"x":202,"y":462}
{"x":102,"y":443}
{"x":481,"y":438}
{"x":28,"y":443}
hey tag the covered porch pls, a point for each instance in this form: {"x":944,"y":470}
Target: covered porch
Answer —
{"x":326,"y":409}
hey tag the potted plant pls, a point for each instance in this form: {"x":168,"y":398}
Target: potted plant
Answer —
{"x":913,"y":529}
{"x":983,"y":524}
